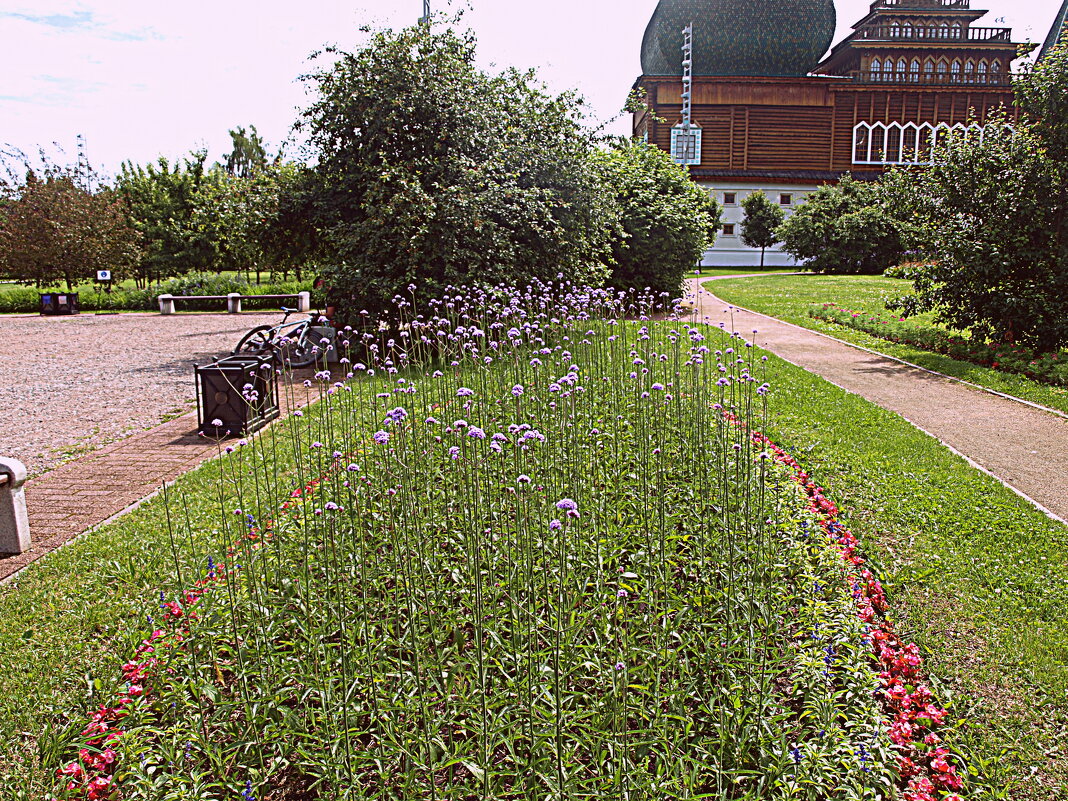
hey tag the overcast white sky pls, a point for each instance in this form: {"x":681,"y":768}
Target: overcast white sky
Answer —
{"x":143,"y":78}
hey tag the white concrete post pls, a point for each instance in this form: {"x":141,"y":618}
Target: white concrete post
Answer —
{"x":166,"y":304}
{"x":304,"y":301}
{"x":233,"y":303}
{"x":14,"y":522}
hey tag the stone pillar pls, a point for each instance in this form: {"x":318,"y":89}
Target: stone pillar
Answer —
{"x":304,"y":301}
{"x":14,"y":522}
{"x":233,"y":303}
{"x":166,"y":304}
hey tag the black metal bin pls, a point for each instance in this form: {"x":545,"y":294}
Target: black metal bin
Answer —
{"x":236,"y":395}
{"x":59,"y":303}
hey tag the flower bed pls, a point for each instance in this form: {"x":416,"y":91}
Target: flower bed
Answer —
{"x":1049,"y":368}
{"x":556,"y":565}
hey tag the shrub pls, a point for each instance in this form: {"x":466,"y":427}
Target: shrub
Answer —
{"x":667,"y":220}
{"x":430,"y":171}
{"x":843,"y":229}
{"x":1049,"y":368}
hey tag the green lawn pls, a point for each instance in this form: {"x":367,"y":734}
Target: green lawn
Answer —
{"x":790,"y":297}
{"x":717,"y":272}
{"x":975,"y":575}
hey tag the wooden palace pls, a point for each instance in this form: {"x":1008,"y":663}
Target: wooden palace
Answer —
{"x":765,"y":113}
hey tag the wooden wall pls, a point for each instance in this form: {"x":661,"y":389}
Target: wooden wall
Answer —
{"x":802,"y":123}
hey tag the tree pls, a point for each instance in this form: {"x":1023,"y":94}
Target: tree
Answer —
{"x":53,"y":228}
{"x":843,"y":229}
{"x":248,"y":154}
{"x":430,"y":171}
{"x":762,"y":218}
{"x":169,"y":205}
{"x":991,"y":220}
{"x":667,"y":220}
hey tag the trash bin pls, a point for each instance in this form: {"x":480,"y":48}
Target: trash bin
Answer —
{"x":326,"y":353}
{"x":59,"y":303}
{"x":236,"y":395}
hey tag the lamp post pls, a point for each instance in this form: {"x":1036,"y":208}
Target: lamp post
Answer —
{"x":425,"y":19}
{"x":686,"y":137}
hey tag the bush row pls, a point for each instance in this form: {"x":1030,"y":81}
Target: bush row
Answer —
{"x":1049,"y":368}
{"x":27,"y":299}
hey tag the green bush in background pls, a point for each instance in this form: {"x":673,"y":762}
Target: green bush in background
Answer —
{"x":27,"y":300}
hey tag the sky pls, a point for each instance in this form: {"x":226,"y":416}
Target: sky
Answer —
{"x":141,"y":79}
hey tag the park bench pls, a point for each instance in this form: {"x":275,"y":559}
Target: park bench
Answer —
{"x":233,"y":300}
{"x":14,"y":522}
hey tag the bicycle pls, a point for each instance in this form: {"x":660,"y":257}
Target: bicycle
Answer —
{"x":294,"y":344}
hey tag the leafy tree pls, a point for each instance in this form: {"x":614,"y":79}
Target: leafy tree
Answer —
{"x":430,"y":171}
{"x":667,"y":220}
{"x":287,"y":233}
{"x":843,"y":229}
{"x":762,"y":218}
{"x":248,"y":154}
{"x":169,"y":205}
{"x":54,"y":228}
{"x":991,"y":218}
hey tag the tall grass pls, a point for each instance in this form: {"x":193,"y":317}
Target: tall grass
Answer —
{"x":530,"y":551}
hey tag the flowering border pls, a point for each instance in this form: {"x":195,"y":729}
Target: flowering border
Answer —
{"x":924,"y":767}
{"x":1049,"y":368}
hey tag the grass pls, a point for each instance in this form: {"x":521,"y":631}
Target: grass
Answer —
{"x":718,"y":272}
{"x":974,"y":573}
{"x":790,"y":297}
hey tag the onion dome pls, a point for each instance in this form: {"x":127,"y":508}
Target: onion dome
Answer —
{"x":1058,"y":33}
{"x":779,"y":38}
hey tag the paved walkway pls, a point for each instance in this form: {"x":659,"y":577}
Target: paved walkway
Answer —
{"x":78,"y":495}
{"x":1022,"y":446}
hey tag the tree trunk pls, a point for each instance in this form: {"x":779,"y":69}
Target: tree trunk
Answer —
{"x":762,"y":258}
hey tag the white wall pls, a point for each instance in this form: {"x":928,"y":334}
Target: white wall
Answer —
{"x":729,"y":251}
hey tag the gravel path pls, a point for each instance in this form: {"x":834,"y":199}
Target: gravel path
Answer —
{"x":1021,"y":445}
{"x":71,"y":384}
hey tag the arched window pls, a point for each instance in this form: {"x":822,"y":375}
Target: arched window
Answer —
{"x":902,"y":70}
{"x":995,"y":71}
{"x":906,"y":31}
{"x":915,"y":70}
{"x":928,"y":71}
{"x":954,"y":72}
{"x":860,"y":145}
{"x":956,"y":30}
{"x":895,"y":30}
{"x":943,"y":71}
{"x":981,"y":76}
{"x":876,"y":70}
{"x":943,"y":31}
{"x":969,"y":71}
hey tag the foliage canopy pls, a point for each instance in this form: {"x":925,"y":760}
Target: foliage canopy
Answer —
{"x":667,"y":220}
{"x":762,"y":219}
{"x":991,"y":218}
{"x":432,"y":172}
{"x":843,"y":229}
{"x":54,"y":227}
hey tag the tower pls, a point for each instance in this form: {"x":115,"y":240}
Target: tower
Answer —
{"x":775,"y":118}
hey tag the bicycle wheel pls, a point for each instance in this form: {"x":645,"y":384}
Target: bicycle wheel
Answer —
{"x":302,"y":352}
{"x":258,"y":341}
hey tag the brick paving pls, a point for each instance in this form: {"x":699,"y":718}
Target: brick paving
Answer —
{"x":81,"y":494}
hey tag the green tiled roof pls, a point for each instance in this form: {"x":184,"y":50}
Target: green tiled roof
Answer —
{"x":739,"y":37}
{"x":1056,"y":33}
